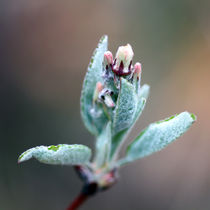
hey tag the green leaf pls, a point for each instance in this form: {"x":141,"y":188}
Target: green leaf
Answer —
{"x":120,"y":137}
{"x":125,"y":108}
{"x":93,"y":116}
{"x":62,"y":154}
{"x":103,"y":146}
{"x":144,"y":91}
{"x":157,"y":136}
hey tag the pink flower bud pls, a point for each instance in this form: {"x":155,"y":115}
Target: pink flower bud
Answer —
{"x":108,"y":58}
{"x":124,"y":58}
{"x":137,"y":76}
{"x":99,"y":86}
{"x":137,"y":69}
{"x":98,"y":89}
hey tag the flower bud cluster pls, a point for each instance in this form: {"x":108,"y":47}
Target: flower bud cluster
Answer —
{"x":122,"y":64}
{"x":114,"y":68}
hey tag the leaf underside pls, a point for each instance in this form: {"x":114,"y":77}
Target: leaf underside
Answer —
{"x":94,"y":117}
{"x":120,"y":136}
{"x":157,"y":136}
{"x":62,"y":154}
{"x":126,"y":107}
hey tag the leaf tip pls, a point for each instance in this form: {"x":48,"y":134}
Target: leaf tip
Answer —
{"x":147,"y":86}
{"x":25,"y":156}
{"x":144,"y":91}
{"x":104,"y":38}
{"x":193,"y":116}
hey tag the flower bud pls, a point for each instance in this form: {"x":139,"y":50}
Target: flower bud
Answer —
{"x":105,"y":97}
{"x":108,"y":58}
{"x":137,"y":76}
{"x":108,"y":101}
{"x":98,"y":89}
{"x":137,"y":69}
{"x":99,"y":86}
{"x":124,"y":58}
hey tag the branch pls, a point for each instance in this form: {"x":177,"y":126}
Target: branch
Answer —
{"x":78,"y":201}
{"x":89,"y":189}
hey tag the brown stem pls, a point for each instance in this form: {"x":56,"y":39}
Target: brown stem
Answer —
{"x":88,"y":190}
{"x":78,"y":201}
{"x":91,"y":187}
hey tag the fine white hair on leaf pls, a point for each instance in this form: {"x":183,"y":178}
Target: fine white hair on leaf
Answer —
{"x":62,"y":154}
{"x":157,"y":136}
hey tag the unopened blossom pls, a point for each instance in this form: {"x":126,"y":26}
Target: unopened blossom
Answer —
{"x":108,"y":58}
{"x":105,"y":97}
{"x":123,"y":60}
{"x":98,"y":89}
{"x":137,"y":69}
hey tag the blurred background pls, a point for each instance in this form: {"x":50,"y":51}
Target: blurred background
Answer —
{"x":45,"y":47}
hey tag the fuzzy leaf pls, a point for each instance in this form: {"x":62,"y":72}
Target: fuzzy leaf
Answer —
{"x":94,"y":117}
{"x":126,"y":107}
{"x":62,"y":154}
{"x":120,"y":137}
{"x":103,"y":146}
{"x":157,"y":136}
{"x":144,"y":91}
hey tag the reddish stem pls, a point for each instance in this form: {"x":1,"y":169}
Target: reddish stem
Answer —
{"x":78,"y":202}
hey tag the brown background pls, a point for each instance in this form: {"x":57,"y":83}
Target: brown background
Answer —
{"x":45,"y":47}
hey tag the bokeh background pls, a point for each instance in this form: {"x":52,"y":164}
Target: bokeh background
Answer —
{"x":45,"y":47}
